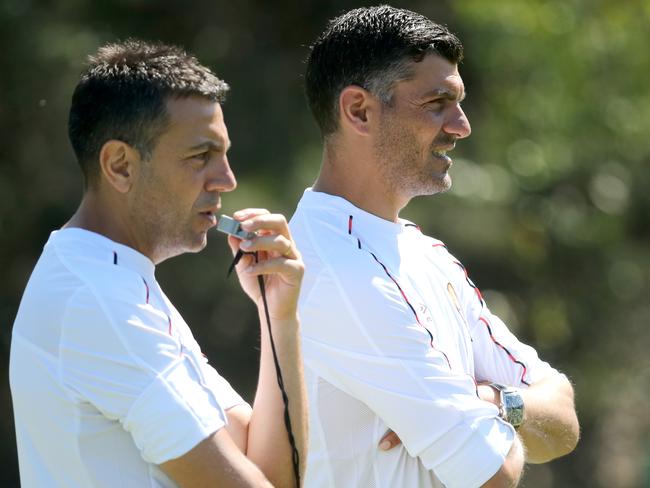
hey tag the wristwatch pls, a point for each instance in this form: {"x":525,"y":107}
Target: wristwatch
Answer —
{"x":511,"y":408}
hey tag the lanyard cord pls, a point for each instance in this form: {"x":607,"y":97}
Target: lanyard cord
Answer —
{"x":295,"y":458}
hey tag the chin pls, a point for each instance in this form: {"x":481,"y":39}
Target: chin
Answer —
{"x":446,"y":184}
{"x":443,"y":184}
{"x":195,"y":244}
{"x":200,"y":244}
{"x":439,"y":185}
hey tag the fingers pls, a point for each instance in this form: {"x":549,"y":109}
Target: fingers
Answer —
{"x":234,"y":242}
{"x":261,"y":221}
{"x":271,"y":243}
{"x":281,"y":265}
{"x":247,"y":213}
{"x":272,"y":233}
{"x":389,"y":441}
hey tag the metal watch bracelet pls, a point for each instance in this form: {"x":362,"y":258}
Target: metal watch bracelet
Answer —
{"x":511,"y":404}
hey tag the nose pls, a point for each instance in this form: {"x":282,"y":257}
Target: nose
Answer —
{"x":457,"y":123}
{"x":220,"y":176}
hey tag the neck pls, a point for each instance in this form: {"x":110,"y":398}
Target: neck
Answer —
{"x":355,"y":178}
{"x":109,"y":219}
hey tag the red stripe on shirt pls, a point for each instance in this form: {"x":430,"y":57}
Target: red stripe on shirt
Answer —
{"x":510,"y":355}
{"x":412,"y":309}
{"x":146,"y":286}
{"x":471,"y":283}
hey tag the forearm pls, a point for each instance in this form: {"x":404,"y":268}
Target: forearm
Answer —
{"x":550,"y":428}
{"x":509,"y":474}
{"x":268,"y":443}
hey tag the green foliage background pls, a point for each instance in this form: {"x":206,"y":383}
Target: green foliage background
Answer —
{"x":549,"y":210}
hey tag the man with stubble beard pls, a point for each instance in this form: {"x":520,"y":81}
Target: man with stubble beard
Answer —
{"x":396,"y":336}
{"x":109,"y":386}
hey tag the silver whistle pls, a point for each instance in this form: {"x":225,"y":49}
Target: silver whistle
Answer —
{"x":228,"y":225}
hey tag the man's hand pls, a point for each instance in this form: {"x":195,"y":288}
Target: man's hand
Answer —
{"x":389,"y":441}
{"x":488,"y":393}
{"x":279,"y":262}
{"x":278,"y":258}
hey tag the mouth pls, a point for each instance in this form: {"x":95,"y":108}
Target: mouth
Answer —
{"x":210,"y":215}
{"x":441,"y":155}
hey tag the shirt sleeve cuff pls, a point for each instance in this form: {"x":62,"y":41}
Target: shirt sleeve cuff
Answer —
{"x":228,"y":397}
{"x":174,"y":413}
{"x":479,"y":457}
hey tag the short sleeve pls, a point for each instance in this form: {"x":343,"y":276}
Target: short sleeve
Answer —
{"x":173,"y":414}
{"x":360,"y":336}
{"x":119,"y":357}
{"x":498,"y":355}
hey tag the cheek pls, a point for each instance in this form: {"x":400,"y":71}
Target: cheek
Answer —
{"x":433,"y":122}
{"x":181,"y":185}
{"x":166,"y":195}
{"x":427,"y":131}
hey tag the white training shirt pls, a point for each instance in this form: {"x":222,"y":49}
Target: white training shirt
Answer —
{"x":106,"y":378}
{"x":394,"y":336}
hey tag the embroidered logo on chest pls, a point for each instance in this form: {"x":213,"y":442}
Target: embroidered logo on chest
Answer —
{"x":453,"y":297}
{"x":424,"y":313}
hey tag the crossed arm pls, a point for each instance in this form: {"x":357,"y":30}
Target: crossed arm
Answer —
{"x":253,"y":449}
{"x":550,"y":428}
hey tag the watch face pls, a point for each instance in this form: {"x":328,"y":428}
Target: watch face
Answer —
{"x":514,"y":407}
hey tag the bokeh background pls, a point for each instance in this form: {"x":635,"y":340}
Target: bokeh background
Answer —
{"x":550,"y":208}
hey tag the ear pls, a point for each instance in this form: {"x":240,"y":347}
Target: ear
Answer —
{"x":357,"y":107}
{"x":119,"y":162}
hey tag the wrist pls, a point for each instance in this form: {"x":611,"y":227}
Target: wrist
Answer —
{"x":278,"y":312}
{"x":284,"y":324}
{"x":488,"y":393}
{"x":510,"y":404}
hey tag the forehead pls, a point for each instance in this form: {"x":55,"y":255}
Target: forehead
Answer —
{"x":434,"y":75}
{"x":193,"y":120}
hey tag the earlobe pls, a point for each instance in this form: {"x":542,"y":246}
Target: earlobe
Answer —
{"x":355,"y":107}
{"x":117,"y":160}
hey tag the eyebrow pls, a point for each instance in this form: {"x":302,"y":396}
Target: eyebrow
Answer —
{"x":215,"y":146}
{"x":446,"y":93}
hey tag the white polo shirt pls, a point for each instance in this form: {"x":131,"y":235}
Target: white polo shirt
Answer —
{"x":106,"y":379}
{"x":395,"y":336}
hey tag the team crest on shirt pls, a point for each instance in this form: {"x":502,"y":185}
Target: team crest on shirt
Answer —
{"x":453,"y":297}
{"x":423,"y":311}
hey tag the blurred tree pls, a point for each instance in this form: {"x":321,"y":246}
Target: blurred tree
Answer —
{"x":549,"y":208}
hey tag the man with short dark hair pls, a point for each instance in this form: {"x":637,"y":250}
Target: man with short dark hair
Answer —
{"x":109,"y":386}
{"x":395,"y":334}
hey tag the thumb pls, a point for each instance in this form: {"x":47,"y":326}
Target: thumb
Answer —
{"x":389,"y":441}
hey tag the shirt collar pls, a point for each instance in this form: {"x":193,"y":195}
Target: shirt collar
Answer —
{"x":363,"y":223}
{"x":103,"y":248}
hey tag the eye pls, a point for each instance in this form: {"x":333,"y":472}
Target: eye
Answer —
{"x":200,"y":158}
{"x":435,"y":105}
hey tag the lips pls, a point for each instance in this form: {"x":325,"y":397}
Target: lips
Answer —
{"x":210,"y":216}
{"x":211,"y":208}
{"x":442,"y":156}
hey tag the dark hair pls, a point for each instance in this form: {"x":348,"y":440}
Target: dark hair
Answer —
{"x":372,"y":47}
{"x":122,"y":95}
